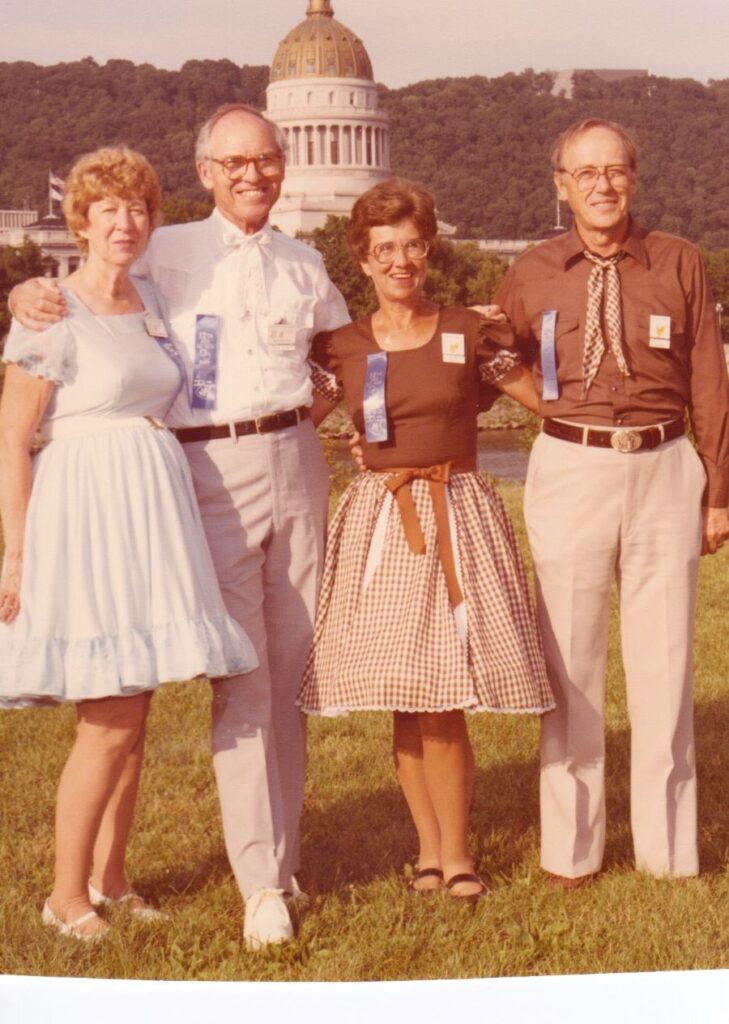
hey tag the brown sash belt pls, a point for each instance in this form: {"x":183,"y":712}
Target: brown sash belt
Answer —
{"x":437,"y":476}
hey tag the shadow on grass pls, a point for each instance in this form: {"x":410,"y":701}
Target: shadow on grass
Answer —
{"x":354,"y":840}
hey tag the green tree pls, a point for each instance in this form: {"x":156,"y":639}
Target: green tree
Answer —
{"x":331,"y":241}
{"x":18,"y":265}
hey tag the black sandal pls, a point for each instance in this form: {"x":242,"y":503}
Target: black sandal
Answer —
{"x":471,"y":897}
{"x":425,"y":873}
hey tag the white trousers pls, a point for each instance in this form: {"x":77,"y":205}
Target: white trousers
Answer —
{"x":263,"y":500}
{"x":593,"y":515}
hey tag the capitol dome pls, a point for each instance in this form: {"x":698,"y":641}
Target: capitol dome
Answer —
{"x":323,"y":97}
{"x":320,"y":47}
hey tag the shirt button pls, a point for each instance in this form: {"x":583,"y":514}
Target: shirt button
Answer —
{"x":613,"y":388}
{"x":256,"y":388}
{"x":250,"y":351}
{"x":619,"y":419}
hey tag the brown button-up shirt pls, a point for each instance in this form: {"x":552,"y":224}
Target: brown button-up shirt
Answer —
{"x":660,"y":275}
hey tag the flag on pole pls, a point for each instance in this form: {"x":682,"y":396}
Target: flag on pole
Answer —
{"x":55,"y":187}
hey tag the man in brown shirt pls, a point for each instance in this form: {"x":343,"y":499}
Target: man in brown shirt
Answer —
{"x":621,"y":325}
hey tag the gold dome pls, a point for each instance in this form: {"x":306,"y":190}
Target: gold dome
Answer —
{"x":321,"y":47}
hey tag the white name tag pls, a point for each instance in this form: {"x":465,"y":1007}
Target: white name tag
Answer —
{"x":155,"y":326}
{"x":282,"y":335}
{"x":454,"y":348}
{"x":659,"y":331}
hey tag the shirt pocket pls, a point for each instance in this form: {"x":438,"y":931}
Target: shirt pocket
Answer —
{"x":672,"y":347}
{"x":301,"y":318}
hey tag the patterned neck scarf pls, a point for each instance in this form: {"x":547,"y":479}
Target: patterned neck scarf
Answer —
{"x":604,"y":278}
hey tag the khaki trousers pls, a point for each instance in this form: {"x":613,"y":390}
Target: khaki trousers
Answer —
{"x":263,"y":500}
{"x":592,"y":515}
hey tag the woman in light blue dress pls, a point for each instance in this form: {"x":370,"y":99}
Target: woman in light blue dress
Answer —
{"x":107,"y":588}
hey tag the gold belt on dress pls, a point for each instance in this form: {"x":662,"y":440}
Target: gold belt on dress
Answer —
{"x":437,"y":476}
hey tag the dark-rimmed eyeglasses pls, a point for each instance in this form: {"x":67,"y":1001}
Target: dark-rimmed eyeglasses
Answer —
{"x":386,"y":252}
{"x":267,"y":164}
{"x":586,"y":178}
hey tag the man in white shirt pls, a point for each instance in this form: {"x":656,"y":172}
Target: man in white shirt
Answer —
{"x":244,"y":302}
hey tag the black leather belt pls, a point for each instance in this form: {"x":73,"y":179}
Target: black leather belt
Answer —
{"x":260,"y":425}
{"x":623,"y":439}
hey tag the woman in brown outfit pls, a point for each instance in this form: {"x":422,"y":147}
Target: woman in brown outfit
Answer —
{"x":424,"y":608}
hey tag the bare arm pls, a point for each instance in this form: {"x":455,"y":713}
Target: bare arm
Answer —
{"x":518,"y":384}
{"x":320,"y":408}
{"x":22,"y":406}
{"x":37,"y":303}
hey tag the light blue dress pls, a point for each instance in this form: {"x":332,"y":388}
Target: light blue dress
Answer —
{"x":118,"y":590}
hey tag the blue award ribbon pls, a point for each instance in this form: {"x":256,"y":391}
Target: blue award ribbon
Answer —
{"x":550,"y":384}
{"x":373,"y":403}
{"x":205,"y":368}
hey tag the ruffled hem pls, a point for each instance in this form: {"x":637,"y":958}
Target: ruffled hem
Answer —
{"x":134,"y":661}
{"x":342,"y":712}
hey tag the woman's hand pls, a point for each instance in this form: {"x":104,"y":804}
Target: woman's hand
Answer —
{"x":10,"y":587}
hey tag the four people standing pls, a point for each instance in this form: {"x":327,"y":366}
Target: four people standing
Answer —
{"x":245,"y":301}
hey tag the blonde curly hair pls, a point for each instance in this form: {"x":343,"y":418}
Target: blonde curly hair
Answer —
{"x":111,"y":171}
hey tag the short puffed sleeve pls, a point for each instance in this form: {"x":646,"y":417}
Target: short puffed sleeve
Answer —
{"x":50,"y":354}
{"x":496,"y":354}
{"x":323,"y":366}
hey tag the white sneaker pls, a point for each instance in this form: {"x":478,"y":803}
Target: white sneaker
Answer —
{"x":266,"y":920}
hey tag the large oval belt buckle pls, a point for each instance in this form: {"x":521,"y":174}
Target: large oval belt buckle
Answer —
{"x":626,"y":440}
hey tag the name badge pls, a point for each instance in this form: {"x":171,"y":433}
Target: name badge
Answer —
{"x":205,"y":367}
{"x":550,"y":384}
{"x":155,"y":326}
{"x":373,"y":403}
{"x":282,"y":336}
{"x":454,"y":348}
{"x":659,"y":331}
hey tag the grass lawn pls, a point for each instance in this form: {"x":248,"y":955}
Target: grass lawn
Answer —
{"x":358,"y":843}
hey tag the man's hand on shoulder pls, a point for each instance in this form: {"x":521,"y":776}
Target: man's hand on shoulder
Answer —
{"x":37,"y":303}
{"x":491,"y":313}
{"x":716,"y":529}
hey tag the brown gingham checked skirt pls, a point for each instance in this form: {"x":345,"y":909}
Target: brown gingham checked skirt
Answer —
{"x":395,"y":646}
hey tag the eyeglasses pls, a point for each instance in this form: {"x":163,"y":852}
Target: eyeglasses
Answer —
{"x":267,"y":164}
{"x":386,"y":252}
{"x":586,"y":178}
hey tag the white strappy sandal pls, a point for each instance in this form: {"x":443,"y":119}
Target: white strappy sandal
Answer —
{"x":72,"y":928}
{"x":144,"y":912}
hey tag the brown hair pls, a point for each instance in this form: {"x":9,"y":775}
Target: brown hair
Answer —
{"x":116,"y":171}
{"x":580,"y":127}
{"x":388,"y":203}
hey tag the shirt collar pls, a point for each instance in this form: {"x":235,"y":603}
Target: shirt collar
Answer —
{"x":573,"y":246}
{"x":226,"y":231}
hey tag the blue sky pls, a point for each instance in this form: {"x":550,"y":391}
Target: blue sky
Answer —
{"x":408,"y":40}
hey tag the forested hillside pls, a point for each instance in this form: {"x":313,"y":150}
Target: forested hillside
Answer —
{"x":482,"y":144}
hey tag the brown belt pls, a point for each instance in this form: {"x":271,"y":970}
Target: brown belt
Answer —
{"x":260,"y":425}
{"x":437,"y":476}
{"x":623,"y":439}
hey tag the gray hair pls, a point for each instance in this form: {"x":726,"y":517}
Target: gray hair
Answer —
{"x":202,"y":146}
{"x":580,"y":127}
